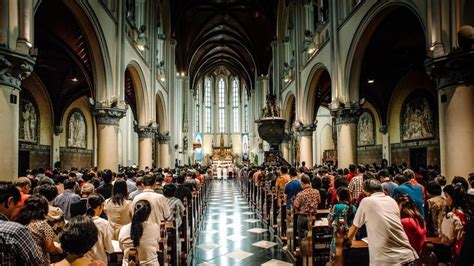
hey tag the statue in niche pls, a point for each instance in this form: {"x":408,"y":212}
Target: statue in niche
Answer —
{"x":417,"y":119}
{"x":77,"y":130}
{"x":131,"y":10}
{"x":28,"y":122}
{"x":365,"y":130}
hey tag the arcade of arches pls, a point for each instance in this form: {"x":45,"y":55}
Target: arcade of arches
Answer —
{"x":104,"y":83}
{"x":154,"y":84}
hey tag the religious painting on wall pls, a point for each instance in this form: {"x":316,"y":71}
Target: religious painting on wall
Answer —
{"x":29,"y":119}
{"x":197,"y":146}
{"x":245,"y":147}
{"x":417,"y":118}
{"x":366,"y":129}
{"x":76,"y":130}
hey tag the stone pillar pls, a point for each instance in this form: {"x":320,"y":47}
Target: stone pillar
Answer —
{"x":285,"y":147}
{"x":346,"y":123}
{"x":14,"y":68}
{"x":455,"y":83}
{"x":164,"y":150}
{"x":306,"y":143}
{"x":145,"y":146}
{"x":107,"y":136}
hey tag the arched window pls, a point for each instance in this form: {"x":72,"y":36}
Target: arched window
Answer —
{"x":221,"y":93}
{"x":235,"y":105}
{"x":207,"y":105}
{"x":246,"y":111}
{"x":198,"y":109}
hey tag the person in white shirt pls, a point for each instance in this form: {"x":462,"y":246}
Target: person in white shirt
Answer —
{"x":140,"y":234}
{"x":95,"y":206}
{"x":160,"y":210}
{"x":388,"y":243}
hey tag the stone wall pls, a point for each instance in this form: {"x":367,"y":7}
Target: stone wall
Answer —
{"x":401,"y":152}
{"x":39,"y":156}
{"x":72,"y":157}
{"x":369,"y":154}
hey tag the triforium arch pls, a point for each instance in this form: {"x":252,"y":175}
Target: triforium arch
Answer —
{"x":317,"y":92}
{"x":161,"y":113}
{"x":289,"y":110}
{"x":362,"y":37}
{"x":135,"y":93}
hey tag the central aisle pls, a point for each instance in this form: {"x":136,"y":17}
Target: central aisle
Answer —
{"x":231,"y":233}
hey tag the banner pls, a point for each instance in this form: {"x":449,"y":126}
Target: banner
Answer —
{"x":245,"y":147}
{"x":197,"y":146}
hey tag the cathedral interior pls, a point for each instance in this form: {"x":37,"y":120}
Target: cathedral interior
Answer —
{"x":106,"y":84}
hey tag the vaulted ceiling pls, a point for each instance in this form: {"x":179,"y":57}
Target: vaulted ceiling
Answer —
{"x":236,"y":34}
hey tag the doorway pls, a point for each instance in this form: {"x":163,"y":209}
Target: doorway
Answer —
{"x":418,"y":158}
{"x":23,"y":162}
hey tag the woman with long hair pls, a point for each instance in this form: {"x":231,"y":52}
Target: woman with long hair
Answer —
{"x":33,"y":215}
{"x":141,"y":235}
{"x":455,"y":221}
{"x":412,"y":222}
{"x":341,"y":211}
{"x":95,"y":206}
{"x":118,"y":208}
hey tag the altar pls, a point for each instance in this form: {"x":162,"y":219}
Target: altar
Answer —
{"x":222,"y":160}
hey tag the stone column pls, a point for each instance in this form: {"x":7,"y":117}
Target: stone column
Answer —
{"x":306,"y":144}
{"x":386,"y":147}
{"x":346,"y":123}
{"x":285,"y":147}
{"x":454,"y":77}
{"x":14,"y":68}
{"x":164,"y":150}
{"x":107,"y":136}
{"x":145,"y":146}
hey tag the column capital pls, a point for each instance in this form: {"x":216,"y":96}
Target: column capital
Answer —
{"x":58,"y":130}
{"x":14,"y":67}
{"x":146,"y":132}
{"x":455,"y":68}
{"x":347,"y":115}
{"x":306,"y":130}
{"x":163,"y":138}
{"x":287,"y":137}
{"x":109,"y":115}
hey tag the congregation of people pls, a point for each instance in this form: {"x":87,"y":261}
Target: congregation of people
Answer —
{"x":393,"y":208}
{"x":53,"y":217}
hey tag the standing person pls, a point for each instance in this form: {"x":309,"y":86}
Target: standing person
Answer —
{"x":64,"y":200}
{"x":342,"y":210}
{"x":412,"y":222}
{"x":407,"y":187}
{"x":454,"y":223}
{"x":118,"y":208}
{"x":105,"y":189}
{"x":33,"y":216}
{"x":292,"y":188}
{"x":55,"y":215}
{"x":23,"y":184}
{"x":140,"y":188}
{"x":356,"y":183}
{"x":21,"y":249}
{"x":435,"y":208}
{"x":306,"y":203}
{"x":141,"y":234}
{"x":80,"y":207}
{"x":352,"y":172}
{"x":159,"y":204}
{"x":387,"y":182}
{"x":95,"y":204}
{"x":281,"y":181}
{"x":176,"y":206}
{"x":388,"y":243}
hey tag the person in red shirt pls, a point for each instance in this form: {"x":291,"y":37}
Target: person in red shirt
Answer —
{"x":412,"y":222}
{"x":352,"y":172}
